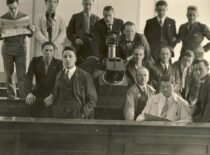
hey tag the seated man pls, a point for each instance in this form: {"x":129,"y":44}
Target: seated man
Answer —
{"x":45,"y":69}
{"x":74,"y":94}
{"x":138,"y":95}
{"x":167,"y":103}
{"x":102,"y":28}
{"x":129,"y":40}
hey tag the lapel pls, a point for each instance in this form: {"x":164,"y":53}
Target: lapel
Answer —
{"x":51,"y":67}
{"x":180,"y":69}
{"x":82,"y":19}
{"x":42,"y":66}
{"x":124,"y":44}
{"x":156,"y":23}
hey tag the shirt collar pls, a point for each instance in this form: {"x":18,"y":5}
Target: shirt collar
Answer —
{"x":71,"y":70}
{"x":173,"y":97}
{"x":163,"y":65}
{"x":87,"y":14}
{"x":15,"y":13}
{"x":163,"y":19}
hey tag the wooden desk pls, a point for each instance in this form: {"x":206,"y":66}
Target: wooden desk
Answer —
{"x":28,"y":136}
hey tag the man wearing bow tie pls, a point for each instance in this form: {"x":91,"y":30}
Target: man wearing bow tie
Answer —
{"x":44,"y":69}
{"x":102,"y":28}
{"x":161,"y":30}
{"x":50,"y":27}
{"x":193,"y":33}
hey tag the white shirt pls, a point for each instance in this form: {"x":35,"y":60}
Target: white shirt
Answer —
{"x":163,"y":65}
{"x":70,"y":71}
{"x":163,"y":20}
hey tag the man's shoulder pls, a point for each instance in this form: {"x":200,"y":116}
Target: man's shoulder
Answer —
{"x":177,"y":63}
{"x":151,"y":88}
{"x":95,"y":16}
{"x":151,"y":19}
{"x":118,"y":21}
{"x":170,"y":19}
{"x":6,"y":15}
{"x":183,"y":26}
{"x":179,"y":99}
{"x":82,"y":73}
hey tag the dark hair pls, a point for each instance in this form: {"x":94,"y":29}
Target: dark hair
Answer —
{"x":128,"y":23}
{"x":161,"y":3}
{"x":70,"y":48}
{"x":192,"y":7}
{"x":189,"y":53}
{"x":48,"y":43}
{"x":48,"y":0}
{"x":12,"y":1}
{"x":168,"y":47}
{"x":84,"y":0}
{"x":138,"y":46}
{"x":108,"y":8}
{"x":197,"y":61}
{"x":167,"y":78}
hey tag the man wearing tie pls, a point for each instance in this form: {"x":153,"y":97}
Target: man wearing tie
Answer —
{"x":167,"y":103}
{"x":44,"y":69}
{"x":80,"y":30}
{"x":129,"y":40}
{"x":102,"y":28}
{"x":14,"y":51}
{"x":161,"y":30}
{"x":138,"y":94}
{"x":193,"y":32}
{"x":50,"y":27}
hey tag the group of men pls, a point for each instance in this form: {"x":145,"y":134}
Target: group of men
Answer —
{"x":155,"y":85}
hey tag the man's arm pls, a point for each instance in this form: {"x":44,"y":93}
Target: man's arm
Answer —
{"x":206,"y":32}
{"x":185,"y":114}
{"x":71,"y":34}
{"x":129,"y":109}
{"x":62,"y":33}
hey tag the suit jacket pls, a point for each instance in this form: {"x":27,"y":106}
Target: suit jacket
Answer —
{"x":152,"y":32}
{"x":193,"y":38}
{"x":139,"y":39}
{"x":84,"y":91}
{"x":15,"y":45}
{"x":44,"y":82}
{"x":98,"y":45}
{"x":136,"y":101}
{"x":202,"y":106}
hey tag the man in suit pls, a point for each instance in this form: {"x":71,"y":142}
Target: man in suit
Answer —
{"x":161,"y":30}
{"x":102,"y":28}
{"x":44,"y":69}
{"x":193,"y":32}
{"x":202,"y":107}
{"x":129,"y":40}
{"x":50,"y":27}
{"x":138,"y":94}
{"x":74,"y":94}
{"x":80,"y":30}
{"x":167,"y":103}
{"x":14,"y":51}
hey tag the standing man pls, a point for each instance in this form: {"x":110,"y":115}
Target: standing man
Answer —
{"x":202,"y":106}
{"x":14,"y":51}
{"x":51,"y":27}
{"x":44,"y":69}
{"x":167,"y":103}
{"x":102,"y":28}
{"x":161,"y":30}
{"x":138,"y":94}
{"x":193,"y":32}
{"x":80,"y":30}
{"x":129,"y":40}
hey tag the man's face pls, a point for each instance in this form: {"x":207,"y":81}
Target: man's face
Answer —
{"x":13,"y":7}
{"x":161,"y":11}
{"x":200,"y":69}
{"x":130,"y":32}
{"x":48,"y":52}
{"x":69,"y":58}
{"x":192,"y":16}
{"x":52,"y":5}
{"x":187,"y":61}
{"x":165,"y":55}
{"x":87,"y":5}
{"x":138,"y":56}
{"x":142,"y":76}
{"x":166,"y":88}
{"x":108,"y":16}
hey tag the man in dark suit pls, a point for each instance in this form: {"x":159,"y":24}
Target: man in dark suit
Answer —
{"x":14,"y":52}
{"x":102,"y":28}
{"x":193,"y":32}
{"x":80,"y":30}
{"x":202,"y":106}
{"x":161,"y":30}
{"x":44,"y":69}
{"x":129,"y":40}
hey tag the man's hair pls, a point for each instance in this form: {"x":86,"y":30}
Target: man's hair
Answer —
{"x":85,"y":0}
{"x":138,"y":46}
{"x":12,"y":1}
{"x":108,"y":8}
{"x":189,"y":53}
{"x":170,"y":49}
{"x":167,"y":78}
{"x":192,"y":7}
{"x":142,"y":68}
{"x":70,"y":48}
{"x":49,"y":0}
{"x":128,"y":23}
{"x":197,"y":61}
{"x":161,"y":3}
{"x":49,"y":43}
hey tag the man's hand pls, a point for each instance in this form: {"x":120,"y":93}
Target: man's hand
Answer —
{"x":30,"y":99}
{"x":31,"y":28}
{"x":79,"y":42}
{"x":48,"y":101}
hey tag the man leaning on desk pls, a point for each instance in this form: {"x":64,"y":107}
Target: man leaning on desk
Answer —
{"x":167,"y":104}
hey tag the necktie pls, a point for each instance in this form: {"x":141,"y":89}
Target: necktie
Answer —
{"x":67,"y":74}
{"x":165,"y":69}
{"x":144,"y":90}
{"x":184,"y":74}
{"x":110,"y":27}
{"x":87,"y":24}
{"x":50,"y":17}
{"x":165,"y":108}
{"x":161,"y":22}
{"x":47,"y":64}
{"x":189,"y":27}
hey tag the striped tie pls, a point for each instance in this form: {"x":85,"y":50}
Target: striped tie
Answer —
{"x":165,"y":108}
